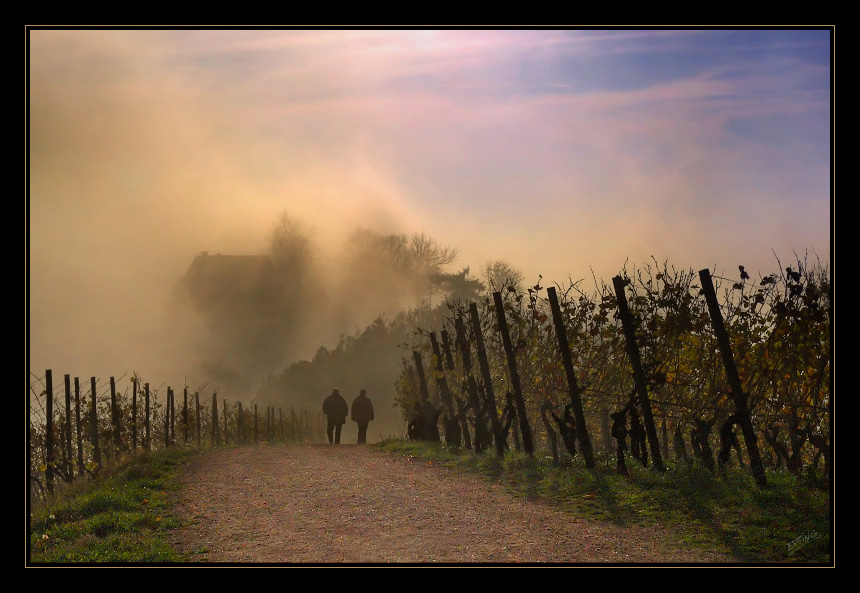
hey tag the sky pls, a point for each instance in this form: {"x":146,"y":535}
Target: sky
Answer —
{"x":566,"y":153}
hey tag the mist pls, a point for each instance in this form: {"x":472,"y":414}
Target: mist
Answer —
{"x":147,"y":148}
{"x":131,"y":180}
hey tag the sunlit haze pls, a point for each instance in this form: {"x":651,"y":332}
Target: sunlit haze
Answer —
{"x":563,"y":152}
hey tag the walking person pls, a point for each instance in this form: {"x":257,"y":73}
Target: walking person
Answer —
{"x":336,"y":410}
{"x":362,"y":414}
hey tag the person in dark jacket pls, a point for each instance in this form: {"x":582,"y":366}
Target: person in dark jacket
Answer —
{"x":362,"y":414}
{"x":336,"y":410}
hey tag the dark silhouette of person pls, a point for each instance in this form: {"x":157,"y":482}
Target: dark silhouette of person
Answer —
{"x":362,"y":414}
{"x":336,"y":410}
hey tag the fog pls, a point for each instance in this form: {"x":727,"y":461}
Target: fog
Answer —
{"x":147,"y":148}
{"x":130,"y":180}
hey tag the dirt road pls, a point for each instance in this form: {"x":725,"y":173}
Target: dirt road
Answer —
{"x":324,"y":504}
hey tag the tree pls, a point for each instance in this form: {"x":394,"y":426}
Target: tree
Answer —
{"x":458,"y":286}
{"x":428,"y":256}
{"x":499,"y":275}
{"x":292,"y":248}
{"x":395,"y":270}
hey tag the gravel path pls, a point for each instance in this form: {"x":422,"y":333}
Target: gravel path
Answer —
{"x":323,"y":504}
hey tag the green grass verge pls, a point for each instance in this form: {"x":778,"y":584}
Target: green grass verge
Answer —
{"x":789,"y":522}
{"x":120,"y":517}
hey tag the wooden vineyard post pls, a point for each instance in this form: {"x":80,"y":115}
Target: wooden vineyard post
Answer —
{"x":471,"y":386}
{"x":197,"y":416}
{"x":224,"y":413}
{"x":216,"y":434}
{"x":426,"y":417}
{"x":256,"y":432}
{"x":422,"y":381}
{"x":29,"y":444}
{"x":94,"y":425}
{"x":79,"y":435}
{"x":638,"y":372}
{"x":449,"y":365}
{"x":172,"y":417}
{"x":572,"y":385}
{"x":525,"y":429}
{"x":484,"y":364}
{"x":147,"y":443}
{"x":239,"y":424}
{"x":114,"y":419}
{"x":452,"y":424}
{"x":167,"y":407}
{"x":134,"y":414}
{"x":167,"y":419}
{"x":738,"y":396}
{"x":68,"y":429}
{"x":185,"y":415}
{"x":49,"y":431}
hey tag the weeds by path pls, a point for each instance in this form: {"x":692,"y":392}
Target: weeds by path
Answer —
{"x":120,"y":517}
{"x":787,"y":523}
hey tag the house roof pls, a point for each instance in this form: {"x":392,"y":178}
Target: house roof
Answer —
{"x":215,"y":277}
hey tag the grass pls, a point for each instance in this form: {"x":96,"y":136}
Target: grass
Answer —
{"x":789,"y":522}
{"x":121,"y":517}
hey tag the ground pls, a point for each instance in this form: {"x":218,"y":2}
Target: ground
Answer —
{"x":354,"y":504}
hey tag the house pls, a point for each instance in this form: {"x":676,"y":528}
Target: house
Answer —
{"x":245,"y":309}
{"x":213,"y":282}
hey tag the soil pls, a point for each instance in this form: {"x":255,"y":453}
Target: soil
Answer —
{"x":354,"y":504}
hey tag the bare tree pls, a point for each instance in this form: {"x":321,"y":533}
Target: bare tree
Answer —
{"x":394,"y":270}
{"x":499,"y":275}
{"x":292,"y":247}
{"x":428,"y":256}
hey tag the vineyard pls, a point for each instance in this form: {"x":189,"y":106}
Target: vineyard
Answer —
{"x":74,"y":434}
{"x":661,"y":367}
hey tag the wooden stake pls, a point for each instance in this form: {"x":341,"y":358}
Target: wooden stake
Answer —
{"x":737,"y":392}
{"x":572,"y":385}
{"x":525,"y":429}
{"x":638,"y":372}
